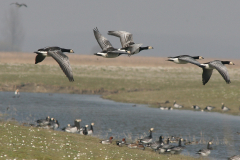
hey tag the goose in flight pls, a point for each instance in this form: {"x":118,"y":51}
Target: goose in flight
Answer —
{"x":219,"y":66}
{"x":183,"y":59}
{"x":57,"y":54}
{"x":126,"y":40}
{"x":19,"y":5}
{"x":107,"y":49}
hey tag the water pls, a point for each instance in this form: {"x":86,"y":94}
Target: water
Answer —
{"x":122,"y":119}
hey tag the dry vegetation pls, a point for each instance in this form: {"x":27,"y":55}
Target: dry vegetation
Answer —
{"x":147,"y":80}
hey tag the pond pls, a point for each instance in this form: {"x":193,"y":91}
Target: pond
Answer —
{"x":126,"y":120}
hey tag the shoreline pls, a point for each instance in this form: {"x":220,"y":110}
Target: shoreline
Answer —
{"x":101,"y":92}
{"x":135,"y":79}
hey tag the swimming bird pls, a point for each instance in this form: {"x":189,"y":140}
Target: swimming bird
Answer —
{"x":108,"y":141}
{"x":205,"y":152}
{"x":90,"y":131}
{"x":236,"y":157}
{"x":183,"y":59}
{"x":209,"y":108}
{"x":127,"y":42}
{"x":19,"y":4}
{"x":108,"y":51}
{"x":17,"y":93}
{"x":196,"y":107}
{"x":74,"y":128}
{"x":175,"y":105}
{"x":57,"y":54}
{"x":224,"y":108}
{"x":177,"y":149}
{"x":219,"y":66}
{"x":147,"y":139}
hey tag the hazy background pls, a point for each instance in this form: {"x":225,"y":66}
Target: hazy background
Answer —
{"x":210,"y":28}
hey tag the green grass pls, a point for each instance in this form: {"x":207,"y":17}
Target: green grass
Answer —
{"x":24,"y":142}
{"x":145,"y":85}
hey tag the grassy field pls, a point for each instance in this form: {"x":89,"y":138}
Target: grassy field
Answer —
{"x":23,"y":142}
{"x":145,"y":80}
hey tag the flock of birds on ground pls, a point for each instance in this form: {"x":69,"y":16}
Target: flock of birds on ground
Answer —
{"x":195,"y":107}
{"x":129,"y":47}
{"x":51,"y":123}
{"x":161,"y":146}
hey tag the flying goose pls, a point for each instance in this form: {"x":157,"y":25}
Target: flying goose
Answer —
{"x":205,"y":152}
{"x":57,"y":54}
{"x":224,"y":108}
{"x":147,"y":139}
{"x":108,"y":141}
{"x":219,"y":66}
{"x":183,"y":59}
{"x":196,"y":107}
{"x":19,"y":4}
{"x":175,"y":105}
{"x":127,"y":43}
{"x":107,"y":49}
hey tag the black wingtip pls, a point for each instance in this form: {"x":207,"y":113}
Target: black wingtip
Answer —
{"x":71,"y":80}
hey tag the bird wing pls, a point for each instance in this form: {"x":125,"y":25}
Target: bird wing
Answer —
{"x":24,"y":5}
{"x":39,"y":58}
{"x":126,"y":38}
{"x":63,"y":62}
{"x":102,"y":41}
{"x":221,"y":69}
{"x":206,"y":75}
{"x":189,"y":60}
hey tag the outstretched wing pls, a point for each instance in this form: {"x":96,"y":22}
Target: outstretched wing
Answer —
{"x":102,"y":41}
{"x":23,"y":5}
{"x":206,"y":75}
{"x":189,"y":60}
{"x":126,"y":38}
{"x":63,"y":62}
{"x":221,"y":69}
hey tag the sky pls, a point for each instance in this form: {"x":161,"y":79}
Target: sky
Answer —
{"x":208,"y":28}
